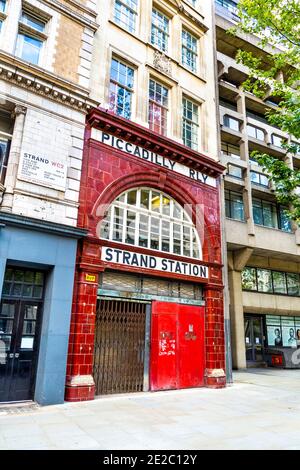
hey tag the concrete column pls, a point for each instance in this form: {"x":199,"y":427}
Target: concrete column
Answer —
{"x":14,"y":158}
{"x":237,"y":320}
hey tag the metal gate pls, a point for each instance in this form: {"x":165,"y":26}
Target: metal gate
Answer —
{"x":119,"y":354}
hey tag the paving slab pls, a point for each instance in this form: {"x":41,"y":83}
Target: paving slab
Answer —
{"x":261,"y":410}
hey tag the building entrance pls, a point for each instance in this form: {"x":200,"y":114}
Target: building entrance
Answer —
{"x":254,"y":339}
{"x":20,"y":324}
{"x":120,"y":343}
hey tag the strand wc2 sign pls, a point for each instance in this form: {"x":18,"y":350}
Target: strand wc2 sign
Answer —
{"x":139,"y":260}
{"x":43,"y":171}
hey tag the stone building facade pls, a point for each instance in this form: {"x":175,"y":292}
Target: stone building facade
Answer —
{"x":148,"y":299}
{"x":45,"y":63}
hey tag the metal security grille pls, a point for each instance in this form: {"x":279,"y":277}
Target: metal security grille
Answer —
{"x":119,"y":346}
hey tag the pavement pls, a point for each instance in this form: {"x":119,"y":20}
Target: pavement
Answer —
{"x":261,"y":410}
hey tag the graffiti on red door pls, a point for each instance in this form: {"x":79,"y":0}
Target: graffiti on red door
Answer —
{"x":167,"y":344}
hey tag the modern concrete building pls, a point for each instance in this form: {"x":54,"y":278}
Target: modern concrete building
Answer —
{"x":45,"y":60}
{"x":148,"y":300}
{"x":263,"y":246}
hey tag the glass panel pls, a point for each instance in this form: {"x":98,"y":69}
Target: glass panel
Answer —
{"x":249,"y":279}
{"x":143,"y":230}
{"x":264,"y":279}
{"x":6,"y":340}
{"x":145,"y":197}
{"x":37,"y":292}
{"x":19,"y":276}
{"x":257,"y":212}
{"x":27,"y":291}
{"x":118,"y":224}
{"x":17,"y":290}
{"x":234,"y":171}
{"x":8,"y":275}
{"x":6,"y":288}
{"x":293,"y":284}
{"x":166,"y":205}
{"x":165,"y":244}
{"x":33,"y":22}
{"x":28,"y":48}
{"x":130,"y":227}
{"x":186,"y":241}
{"x":274,"y":333}
{"x":288,"y":332}
{"x":29,"y":277}
{"x":279,"y":282}
{"x":155,"y":202}
{"x":177,"y":239}
{"x":30,"y":312}
{"x":6,"y":326}
{"x":131,"y":198}
{"x":154,"y":233}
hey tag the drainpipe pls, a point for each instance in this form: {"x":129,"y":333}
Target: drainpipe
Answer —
{"x":228,"y":355}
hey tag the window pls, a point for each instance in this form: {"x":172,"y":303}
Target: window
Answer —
{"x":282,"y":331}
{"x":190,"y":124}
{"x":158,"y":107}
{"x":234,"y":205}
{"x":151,"y":219}
{"x":272,"y":282}
{"x":265,"y":213}
{"x":193,"y":2}
{"x":19,"y":283}
{"x":230,"y":150}
{"x":255,"y":132}
{"x":232,"y":123}
{"x":121,"y":88}
{"x":30,"y":38}
{"x":235,"y":171}
{"x":2,"y":5}
{"x":4,"y":153}
{"x":126,"y":13}
{"x":229,"y":5}
{"x":277,"y":140}
{"x":269,"y":214}
{"x":189,"y":50}
{"x":259,"y":178}
{"x":160,"y":30}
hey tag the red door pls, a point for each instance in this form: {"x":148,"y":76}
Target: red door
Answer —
{"x":177,"y":346}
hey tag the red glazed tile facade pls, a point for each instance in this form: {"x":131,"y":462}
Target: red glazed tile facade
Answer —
{"x":107,"y":172}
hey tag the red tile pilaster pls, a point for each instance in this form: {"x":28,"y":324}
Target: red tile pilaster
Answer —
{"x":215,"y":376}
{"x":80,"y":384}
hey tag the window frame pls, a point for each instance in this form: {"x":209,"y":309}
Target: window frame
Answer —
{"x":28,"y":31}
{"x":156,"y":219}
{"x":158,"y":29}
{"x":194,"y":53}
{"x":229,"y":192}
{"x":195,"y":126}
{"x":165,"y":108}
{"x":125,"y":5}
{"x":119,"y":85}
{"x":273,"y":291}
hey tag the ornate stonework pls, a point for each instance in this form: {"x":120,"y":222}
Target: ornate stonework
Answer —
{"x":162,"y":63}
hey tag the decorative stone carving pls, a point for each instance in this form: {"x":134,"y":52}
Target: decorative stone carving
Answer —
{"x":162,"y":63}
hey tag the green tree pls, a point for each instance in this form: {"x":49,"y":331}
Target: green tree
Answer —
{"x":275,"y":71}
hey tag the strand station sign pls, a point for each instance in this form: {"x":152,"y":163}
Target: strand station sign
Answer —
{"x":156,"y":263}
{"x":151,"y":157}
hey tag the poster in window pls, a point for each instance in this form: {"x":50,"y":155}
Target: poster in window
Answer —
{"x":288,"y":332}
{"x":298,"y":331}
{"x":274,"y":330}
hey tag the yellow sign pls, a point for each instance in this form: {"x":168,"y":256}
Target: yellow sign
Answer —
{"x":90,"y":277}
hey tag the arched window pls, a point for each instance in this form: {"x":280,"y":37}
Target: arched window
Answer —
{"x":148,"y":218}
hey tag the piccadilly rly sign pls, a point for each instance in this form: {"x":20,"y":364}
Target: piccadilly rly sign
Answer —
{"x":151,"y":157}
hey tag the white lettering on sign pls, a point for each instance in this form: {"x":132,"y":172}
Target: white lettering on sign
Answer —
{"x":151,"y":157}
{"x":43,"y":171}
{"x":140,"y":260}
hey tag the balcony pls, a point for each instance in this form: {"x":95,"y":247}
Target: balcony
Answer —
{"x":227,"y":8}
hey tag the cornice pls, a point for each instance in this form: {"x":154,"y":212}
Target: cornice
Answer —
{"x":106,"y":120}
{"x":39,"y":81}
{"x":79,"y":12}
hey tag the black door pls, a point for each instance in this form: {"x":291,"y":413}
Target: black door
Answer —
{"x":19,"y":337}
{"x":254,"y":339}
